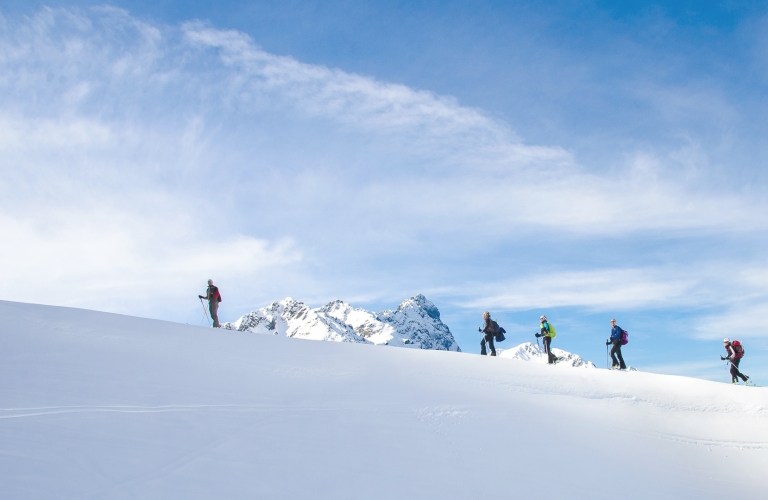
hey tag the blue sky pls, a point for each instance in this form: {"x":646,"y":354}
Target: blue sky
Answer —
{"x":583,"y":160}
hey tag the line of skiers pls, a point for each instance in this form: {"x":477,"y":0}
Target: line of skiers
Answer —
{"x":492,"y":331}
{"x":619,"y":337}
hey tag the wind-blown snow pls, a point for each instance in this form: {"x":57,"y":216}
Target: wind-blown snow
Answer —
{"x":415,"y":323}
{"x":96,"y":405}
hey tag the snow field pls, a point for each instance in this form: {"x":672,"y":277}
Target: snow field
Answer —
{"x":97,"y":405}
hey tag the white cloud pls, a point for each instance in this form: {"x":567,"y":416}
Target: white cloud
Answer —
{"x":740,"y":320}
{"x":741,"y":305}
{"x":117,"y":134}
{"x":436,"y":125}
{"x":599,"y":289}
{"x":121,"y":261}
{"x":482,"y":166}
{"x":112,"y":61}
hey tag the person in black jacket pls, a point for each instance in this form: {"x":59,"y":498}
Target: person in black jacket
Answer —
{"x":489,"y":332}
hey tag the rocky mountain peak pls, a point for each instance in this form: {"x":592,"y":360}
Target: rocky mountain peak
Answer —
{"x":415,"y":323}
{"x":420,"y":303}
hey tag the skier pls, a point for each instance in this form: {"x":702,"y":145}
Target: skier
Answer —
{"x":548,"y":332}
{"x":213,"y":297}
{"x":735,"y":353}
{"x":615,"y":339}
{"x":489,"y":330}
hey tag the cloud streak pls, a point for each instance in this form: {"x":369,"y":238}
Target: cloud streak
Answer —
{"x":607,"y":289}
{"x":137,"y":153}
{"x":469,"y":149}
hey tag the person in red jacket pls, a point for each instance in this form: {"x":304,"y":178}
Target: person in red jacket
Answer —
{"x":213,"y":297}
{"x":735,"y":353}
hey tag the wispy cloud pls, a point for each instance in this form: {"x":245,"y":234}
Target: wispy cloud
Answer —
{"x":135,"y":152}
{"x":742,"y":320}
{"x":600,"y":289}
{"x":486,"y":169}
{"x":118,"y":260}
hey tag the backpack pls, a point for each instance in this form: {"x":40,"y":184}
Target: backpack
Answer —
{"x":552,"y":331}
{"x":500,"y":334}
{"x":738,"y":350}
{"x":494,"y":327}
{"x":624,"y":337}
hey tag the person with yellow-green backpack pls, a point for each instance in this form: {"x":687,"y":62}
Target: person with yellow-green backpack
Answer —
{"x":548,"y":333}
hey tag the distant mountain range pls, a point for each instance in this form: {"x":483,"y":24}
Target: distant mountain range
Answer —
{"x":415,"y":324}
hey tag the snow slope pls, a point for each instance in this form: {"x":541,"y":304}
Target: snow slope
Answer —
{"x":415,"y":323}
{"x":96,"y":405}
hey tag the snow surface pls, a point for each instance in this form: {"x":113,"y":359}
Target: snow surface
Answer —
{"x":98,"y":405}
{"x":415,"y":323}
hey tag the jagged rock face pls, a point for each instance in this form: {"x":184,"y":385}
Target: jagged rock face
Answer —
{"x":416,"y":324}
{"x":535,"y":353}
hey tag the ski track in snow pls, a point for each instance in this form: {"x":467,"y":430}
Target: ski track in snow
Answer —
{"x":6,"y":413}
{"x":434,"y":415}
{"x":710,"y":443}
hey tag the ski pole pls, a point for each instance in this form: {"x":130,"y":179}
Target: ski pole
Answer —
{"x":201,"y":319}
{"x":607,"y":358}
{"x":537,"y":342}
{"x":205,"y":313}
{"x":734,"y":365}
{"x":729,"y":361}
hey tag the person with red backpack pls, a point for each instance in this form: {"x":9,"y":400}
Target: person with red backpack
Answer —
{"x":213,"y":297}
{"x":617,"y":339}
{"x":735,"y":353}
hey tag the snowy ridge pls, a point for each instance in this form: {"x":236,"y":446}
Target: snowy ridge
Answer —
{"x":415,"y":323}
{"x":530,"y":352}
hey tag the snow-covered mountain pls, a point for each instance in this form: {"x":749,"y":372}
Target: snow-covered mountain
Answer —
{"x":415,"y":323}
{"x":531,"y":352}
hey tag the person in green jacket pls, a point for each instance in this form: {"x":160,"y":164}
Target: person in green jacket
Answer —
{"x":548,"y":333}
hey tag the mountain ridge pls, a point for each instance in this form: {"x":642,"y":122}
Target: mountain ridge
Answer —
{"x":415,"y":324}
